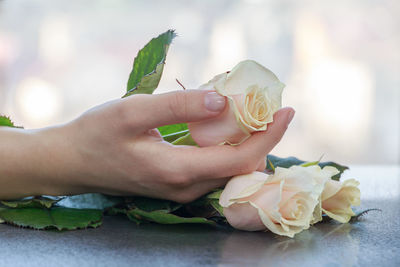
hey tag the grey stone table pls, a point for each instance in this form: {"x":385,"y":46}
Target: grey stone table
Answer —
{"x":373,"y":241}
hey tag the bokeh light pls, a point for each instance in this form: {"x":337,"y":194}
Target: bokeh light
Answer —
{"x":37,"y":100}
{"x":339,"y":59}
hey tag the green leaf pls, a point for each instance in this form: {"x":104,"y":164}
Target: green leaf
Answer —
{"x":215,"y":195}
{"x":215,"y":204}
{"x":163,"y":217}
{"x":186,"y":140}
{"x":206,"y":206}
{"x":132,"y":217}
{"x":341,"y":168}
{"x":144,"y":204}
{"x":172,"y":137}
{"x":290,"y":161}
{"x":6,"y":121}
{"x":174,"y":128}
{"x":152,"y":204}
{"x":55,"y":218}
{"x":149,"y":64}
{"x":282,"y":162}
{"x":32,"y":202}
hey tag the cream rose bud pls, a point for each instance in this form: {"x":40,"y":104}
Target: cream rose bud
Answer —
{"x":254,"y":95}
{"x":337,"y":199}
{"x":283,"y":202}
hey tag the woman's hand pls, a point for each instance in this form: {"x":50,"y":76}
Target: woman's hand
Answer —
{"x":116,"y":149}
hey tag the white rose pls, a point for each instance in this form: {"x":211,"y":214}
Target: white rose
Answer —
{"x":254,"y":95}
{"x":337,"y":199}
{"x":283,"y":203}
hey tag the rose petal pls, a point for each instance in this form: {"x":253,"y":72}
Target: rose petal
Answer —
{"x":241,"y":186}
{"x":276,"y":228}
{"x":307,"y":204}
{"x":331,"y":188}
{"x":244,"y":217}
{"x":247,"y":73}
{"x":267,"y":197}
{"x":340,"y":215}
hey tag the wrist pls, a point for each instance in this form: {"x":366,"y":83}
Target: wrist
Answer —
{"x":27,"y":165}
{"x":58,"y":165}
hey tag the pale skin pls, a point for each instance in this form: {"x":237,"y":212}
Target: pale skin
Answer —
{"x":116,"y":149}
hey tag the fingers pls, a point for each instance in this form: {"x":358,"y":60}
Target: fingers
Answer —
{"x":262,"y":165}
{"x":199,"y":189}
{"x":225,"y":161}
{"x":174,"y":107}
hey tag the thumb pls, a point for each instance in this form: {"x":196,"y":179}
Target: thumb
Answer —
{"x":175,"y":107}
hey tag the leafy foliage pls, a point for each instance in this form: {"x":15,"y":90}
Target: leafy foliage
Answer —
{"x":149,"y":64}
{"x":172,"y":137}
{"x":186,"y":140}
{"x":172,"y":132}
{"x":152,"y":204}
{"x":59,"y":218}
{"x":142,"y":209}
{"x":207,"y":206}
{"x":32,"y":202}
{"x":6,"y":121}
{"x":163,"y":217}
{"x":290,"y":161}
{"x":213,"y":199}
{"x":170,"y":129}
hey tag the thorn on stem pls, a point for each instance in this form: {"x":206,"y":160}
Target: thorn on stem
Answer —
{"x":362,"y":213}
{"x":180,"y":84}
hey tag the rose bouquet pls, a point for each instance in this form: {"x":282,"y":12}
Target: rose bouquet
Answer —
{"x":288,"y":197}
{"x":288,"y":200}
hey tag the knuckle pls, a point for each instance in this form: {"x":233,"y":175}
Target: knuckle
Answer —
{"x":123,"y":110}
{"x":178,"y":106}
{"x":120,"y":112}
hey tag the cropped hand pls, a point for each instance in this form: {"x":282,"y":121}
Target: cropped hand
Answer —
{"x":116,"y":149}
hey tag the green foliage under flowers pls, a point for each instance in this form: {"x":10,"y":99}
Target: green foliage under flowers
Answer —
{"x":274,"y":161}
{"x":31,"y":202}
{"x":59,"y":218}
{"x":142,"y":209}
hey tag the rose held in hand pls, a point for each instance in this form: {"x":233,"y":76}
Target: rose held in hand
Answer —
{"x":254,"y":95}
{"x":283,"y":202}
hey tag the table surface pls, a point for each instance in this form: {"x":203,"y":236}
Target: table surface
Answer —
{"x":373,"y":241}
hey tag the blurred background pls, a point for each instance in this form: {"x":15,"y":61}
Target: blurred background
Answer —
{"x":340,"y":61}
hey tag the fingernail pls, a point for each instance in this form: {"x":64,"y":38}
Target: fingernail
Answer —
{"x":290,"y":116}
{"x":214,"y":101}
